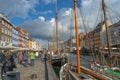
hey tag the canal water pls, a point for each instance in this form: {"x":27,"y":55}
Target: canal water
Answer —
{"x":85,"y":61}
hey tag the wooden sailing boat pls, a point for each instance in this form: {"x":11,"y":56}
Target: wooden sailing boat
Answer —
{"x":102,"y":67}
{"x":81,"y":71}
{"x":57,"y":60}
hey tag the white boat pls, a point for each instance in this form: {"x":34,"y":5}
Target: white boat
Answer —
{"x":63,"y":72}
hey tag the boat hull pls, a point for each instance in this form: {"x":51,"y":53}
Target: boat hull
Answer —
{"x":56,"y":62}
{"x":105,"y":70}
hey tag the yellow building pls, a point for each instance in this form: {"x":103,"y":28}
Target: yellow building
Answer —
{"x":29,"y":43}
{"x":81,"y":40}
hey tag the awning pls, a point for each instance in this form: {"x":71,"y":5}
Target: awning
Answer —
{"x":8,"y":48}
{"x":22,"y":49}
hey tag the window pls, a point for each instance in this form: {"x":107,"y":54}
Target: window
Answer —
{"x":8,"y":25}
{"x":2,"y":38}
{"x":5,"y":24}
{"x":2,"y":30}
{"x":2,"y":22}
{"x":5,"y":31}
{"x":8,"y":32}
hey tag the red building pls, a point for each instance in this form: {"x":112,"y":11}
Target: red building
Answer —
{"x":25,"y":38}
{"x":20,"y":37}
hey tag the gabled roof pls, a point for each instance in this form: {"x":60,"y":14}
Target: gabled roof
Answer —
{"x":115,"y":24}
{"x":98,"y":28}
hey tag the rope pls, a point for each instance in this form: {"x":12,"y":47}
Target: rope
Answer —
{"x":82,"y":17}
{"x":83,"y":21}
{"x":112,"y":8}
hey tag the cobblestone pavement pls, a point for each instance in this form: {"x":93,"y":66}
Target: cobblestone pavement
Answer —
{"x":36,"y":72}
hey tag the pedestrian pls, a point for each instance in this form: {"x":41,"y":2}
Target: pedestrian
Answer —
{"x":37,"y":55}
{"x":25,"y":59}
{"x":8,"y":64}
{"x":20,"y":57}
{"x":32,"y":58}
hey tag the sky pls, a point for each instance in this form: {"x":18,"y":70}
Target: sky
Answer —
{"x":38,"y":16}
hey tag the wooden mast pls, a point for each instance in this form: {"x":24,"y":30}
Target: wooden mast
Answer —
{"x":106,"y":26}
{"x":57,"y":28}
{"x":62,"y":39}
{"x":77,"y":40}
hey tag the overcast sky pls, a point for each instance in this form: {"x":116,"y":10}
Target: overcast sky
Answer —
{"x":38,"y":16}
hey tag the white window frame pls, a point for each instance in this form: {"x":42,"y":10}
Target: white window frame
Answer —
{"x":5,"y":31}
{"x":3,"y":22}
{"x":10,"y":34}
{"x":2,"y":30}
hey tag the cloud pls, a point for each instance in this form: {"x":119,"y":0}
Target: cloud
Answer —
{"x":17,"y":8}
{"x":49,"y":1}
{"x":44,"y":29}
{"x":41,"y":19}
{"x":40,"y":28}
{"x":44,"y":12}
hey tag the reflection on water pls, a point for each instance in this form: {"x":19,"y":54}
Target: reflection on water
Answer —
{"x":85,"y":60}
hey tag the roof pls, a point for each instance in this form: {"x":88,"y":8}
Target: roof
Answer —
{"x":99,"y":27}
{"x":116,"y":24}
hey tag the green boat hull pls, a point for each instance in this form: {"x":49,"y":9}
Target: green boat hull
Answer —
{"x":114,"y":73}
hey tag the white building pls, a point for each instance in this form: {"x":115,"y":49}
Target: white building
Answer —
{"x":115,"y":34}
{"x":14,"y":37}
{"x":33,"y":44}
{"x":5,"y":31}
{"x":38,"y":46}
{"x":103,"y":34}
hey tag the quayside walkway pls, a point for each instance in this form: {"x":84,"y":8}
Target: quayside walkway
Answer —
{"x":36,"y":72}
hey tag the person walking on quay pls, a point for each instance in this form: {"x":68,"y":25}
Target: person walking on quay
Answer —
{"x":36,"y":55}
{"x":20,"y":57}
{"x":25,"y":59}
{"x":32,"y":58}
